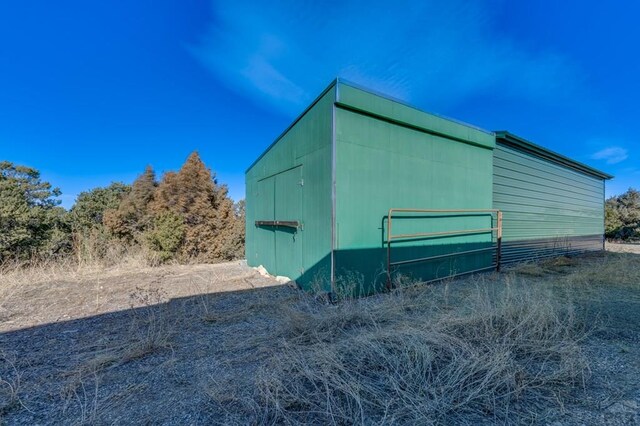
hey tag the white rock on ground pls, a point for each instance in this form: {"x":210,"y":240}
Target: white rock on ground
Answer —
{"x":262,"y":271}
{"x":280,"y":278}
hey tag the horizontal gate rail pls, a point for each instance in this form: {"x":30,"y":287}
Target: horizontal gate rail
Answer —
{"x":445,"y":233}
{"x":497,"y":229}
{"x":441,"y":256}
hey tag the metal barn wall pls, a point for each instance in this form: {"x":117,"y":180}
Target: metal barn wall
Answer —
{"x":389,"y":155}
{"x":353,"y":155}
{"x":291,"y":181}
{"x":548,"y":208}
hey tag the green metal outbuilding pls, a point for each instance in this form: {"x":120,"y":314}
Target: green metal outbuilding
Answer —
{"x":362,"y":191}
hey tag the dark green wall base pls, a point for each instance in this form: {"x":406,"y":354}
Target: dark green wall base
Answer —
{"x":362,"y":272}
{"x":522,"y":250}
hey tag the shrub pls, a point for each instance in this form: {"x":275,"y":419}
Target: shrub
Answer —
{"x":187,"y":216}
{"x":166,"y":236}
{"x":622,"y":216}
{"x":88,"y":211}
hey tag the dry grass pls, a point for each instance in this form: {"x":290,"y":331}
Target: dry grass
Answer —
{"x":90,"y":257}
{"x":543,"y":267}
{"x":617,"y":270}
{"x":502,"y":355}
{"x":622,"y":247}
{"x":16,"y":278}
{"x":10,"y":384}
{"x":151,"y":329}
{"x":497,"y":348}
{"x":51,"y":292}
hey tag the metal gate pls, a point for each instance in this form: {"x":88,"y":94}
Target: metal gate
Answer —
{"x":495,"y":228}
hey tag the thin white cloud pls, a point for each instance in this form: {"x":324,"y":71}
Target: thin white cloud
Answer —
{"x":612,"y":155}
{"x":285,"y":52}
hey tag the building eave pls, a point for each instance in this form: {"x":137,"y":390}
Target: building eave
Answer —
{"x":522,"y":144}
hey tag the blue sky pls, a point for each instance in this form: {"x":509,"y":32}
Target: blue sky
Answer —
{"x":92,"y":92}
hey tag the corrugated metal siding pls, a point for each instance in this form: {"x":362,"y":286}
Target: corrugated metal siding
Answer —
{"x":383,"y":165}
{"x":548,"y":209}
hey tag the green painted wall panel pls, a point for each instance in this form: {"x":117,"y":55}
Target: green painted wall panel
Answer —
{"x":550,"y":198}
{"x":380,"y":165}
{"x":292,"y":181}
{"x":289,"y":242}
{"x":547,"y":208}
{"x":263,"y":238}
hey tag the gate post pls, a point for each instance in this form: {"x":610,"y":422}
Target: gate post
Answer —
{"x":499,"y":254}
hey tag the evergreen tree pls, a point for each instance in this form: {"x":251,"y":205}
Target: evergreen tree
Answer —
{"x":91,"y":241}
{"x":131,"y":217}
{"x":88,"y":211}
{"x":31,"y":224}
{"x":230,"y":239}
{"x":206,"y":210}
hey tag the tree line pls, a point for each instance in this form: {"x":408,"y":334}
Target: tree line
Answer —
{"x":185,"y":216}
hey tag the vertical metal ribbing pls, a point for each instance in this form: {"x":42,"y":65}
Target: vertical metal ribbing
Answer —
{"x":333,"y":190}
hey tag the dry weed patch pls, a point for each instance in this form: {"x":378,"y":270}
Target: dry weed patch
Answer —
{"x":617,"y":269}
{"x":150,"y":330}
{"x":500,"y":355}
{"x":10,"y":384}
{"x":540,"y":268}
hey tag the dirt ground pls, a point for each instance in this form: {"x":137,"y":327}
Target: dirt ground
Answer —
{"x":160,"y":345}
{"x":60,"y":297}
{"x":623,"y":248}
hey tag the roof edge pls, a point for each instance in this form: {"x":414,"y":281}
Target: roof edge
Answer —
{"x":290,"y":126}
{"x":517,"y":142}
{"x":409,"y":125}
{"x":387,"y":97}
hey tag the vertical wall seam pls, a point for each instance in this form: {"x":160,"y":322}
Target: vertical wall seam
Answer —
{"x":333,"y":190}
{"x":604,"y":213}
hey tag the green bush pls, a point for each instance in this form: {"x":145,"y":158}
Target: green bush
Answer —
{"x":88,"y":211}
{"x":166,"y":236}
{"x":622,"y":216}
